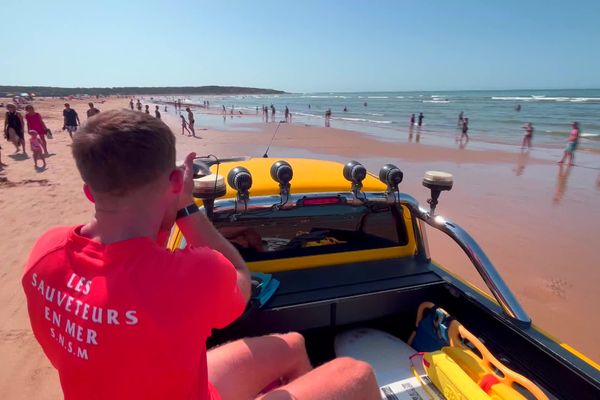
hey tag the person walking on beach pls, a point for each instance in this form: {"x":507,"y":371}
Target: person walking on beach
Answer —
{"x":138,"y":105}
{"x":157,"y":112}
{"x":421,"y":116}
{"x":70,"y":120}
{"x":131,"y":104}
{"x":184,"y":126}
{"x":287,"y":114}
{"x":572,"y":143}
{"x":528,"y":127}
{"x":465,"y":130}
{"x":14,"y":127}
{"x":37,"y":149}
{"x":191,"y":121}
{"x":328,"y":118}
{"x":147,"y":109}
{"x":272,"y":113}
{"x":92,"y":110}
{"x":2,"y":165}
{"x":36,"y":123}
{"x":412,"y":120}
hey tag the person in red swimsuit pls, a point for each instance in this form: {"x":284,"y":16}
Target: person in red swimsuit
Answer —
{"x":36,"y":123}
{"x":122,"y":317}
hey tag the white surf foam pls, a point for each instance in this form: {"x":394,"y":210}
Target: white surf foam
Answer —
{"x":363,"y":120}
{"x":512,"y":98}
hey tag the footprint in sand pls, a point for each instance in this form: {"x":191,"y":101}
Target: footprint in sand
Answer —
{"x":558,"y":286}
{"x":547,"y":289}
{"x":5,"y":182}
{"x":13,"y":335}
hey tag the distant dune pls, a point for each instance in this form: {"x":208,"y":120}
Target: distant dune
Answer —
{"x":8,"y":91}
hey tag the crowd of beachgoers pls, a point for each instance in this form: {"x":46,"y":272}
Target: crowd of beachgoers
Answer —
{"x":22,"y":121}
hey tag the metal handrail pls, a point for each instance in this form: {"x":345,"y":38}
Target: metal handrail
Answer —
{"x":491,"y":277}
{"x":484,"y":266}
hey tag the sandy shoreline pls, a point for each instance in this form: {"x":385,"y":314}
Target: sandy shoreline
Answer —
{"x":535,"y":221}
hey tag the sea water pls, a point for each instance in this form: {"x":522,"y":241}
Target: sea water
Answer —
{"x":493,"y":115}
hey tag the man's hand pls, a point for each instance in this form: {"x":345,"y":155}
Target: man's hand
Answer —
{"x":185,"y":197}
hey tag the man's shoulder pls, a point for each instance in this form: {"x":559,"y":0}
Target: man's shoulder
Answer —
{"x":194,"y":254}
{"x":49,"y":242}
{"x":201,"y":260}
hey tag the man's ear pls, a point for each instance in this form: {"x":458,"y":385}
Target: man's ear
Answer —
{"x":176,"y":180}
{"x":88,"y":193}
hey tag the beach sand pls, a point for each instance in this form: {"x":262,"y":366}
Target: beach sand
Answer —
{"x":534,"y":220}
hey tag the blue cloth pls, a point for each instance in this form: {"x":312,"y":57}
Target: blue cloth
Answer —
{"x":264,"y":287}
{"x":428,"y":337}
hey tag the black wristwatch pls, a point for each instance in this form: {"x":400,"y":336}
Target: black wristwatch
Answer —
{"x":189,"y":210}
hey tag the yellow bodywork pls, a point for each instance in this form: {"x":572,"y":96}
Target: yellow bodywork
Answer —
{"x":310,"y":176}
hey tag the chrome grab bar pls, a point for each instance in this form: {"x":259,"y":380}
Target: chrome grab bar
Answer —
{"x":499,"y":289}
{"x":492,"y":278}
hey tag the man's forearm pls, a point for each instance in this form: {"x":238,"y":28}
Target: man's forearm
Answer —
{"x":200,"y":232}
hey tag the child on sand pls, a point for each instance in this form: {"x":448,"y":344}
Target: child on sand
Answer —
{"x":184,"y":126}
{"x":37,"y":148}
{"x":571,"y":144}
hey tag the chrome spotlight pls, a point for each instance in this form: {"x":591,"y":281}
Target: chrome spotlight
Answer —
{"x":240,"y":179}
{"x":355,"y":172}
{"x":391,"y":176}
{"x":282,"y":173}
{"x":437,"y":182}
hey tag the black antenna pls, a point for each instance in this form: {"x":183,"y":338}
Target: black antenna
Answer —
{"x":266,"y":155}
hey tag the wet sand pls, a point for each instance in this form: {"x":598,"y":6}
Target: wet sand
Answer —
{"x":538,"y":223}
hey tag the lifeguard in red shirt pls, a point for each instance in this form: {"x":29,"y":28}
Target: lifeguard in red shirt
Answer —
{"x":121,"y":317}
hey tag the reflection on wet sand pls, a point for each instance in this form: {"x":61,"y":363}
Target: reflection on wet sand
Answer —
{"x":522,"y":161}
{"x":410,"y":134}
{"x":418,"y":138}
{"x":561,"y":184}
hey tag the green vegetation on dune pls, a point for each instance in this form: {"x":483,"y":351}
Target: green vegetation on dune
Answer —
{"x":6,"y":91}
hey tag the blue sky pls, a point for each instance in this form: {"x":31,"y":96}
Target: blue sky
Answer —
{"x":303,"y":46}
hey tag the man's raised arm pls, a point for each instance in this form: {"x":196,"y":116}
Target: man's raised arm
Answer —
{"x":200,"y":232}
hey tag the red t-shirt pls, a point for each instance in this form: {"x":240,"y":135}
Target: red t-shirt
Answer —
{"x":34,"y":122}
{"x":128,"y":320}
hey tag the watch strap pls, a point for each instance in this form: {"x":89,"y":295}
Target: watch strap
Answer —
{"x":189,"y":210}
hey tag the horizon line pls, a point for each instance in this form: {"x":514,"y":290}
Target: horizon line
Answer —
{"x":297,"y":92}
